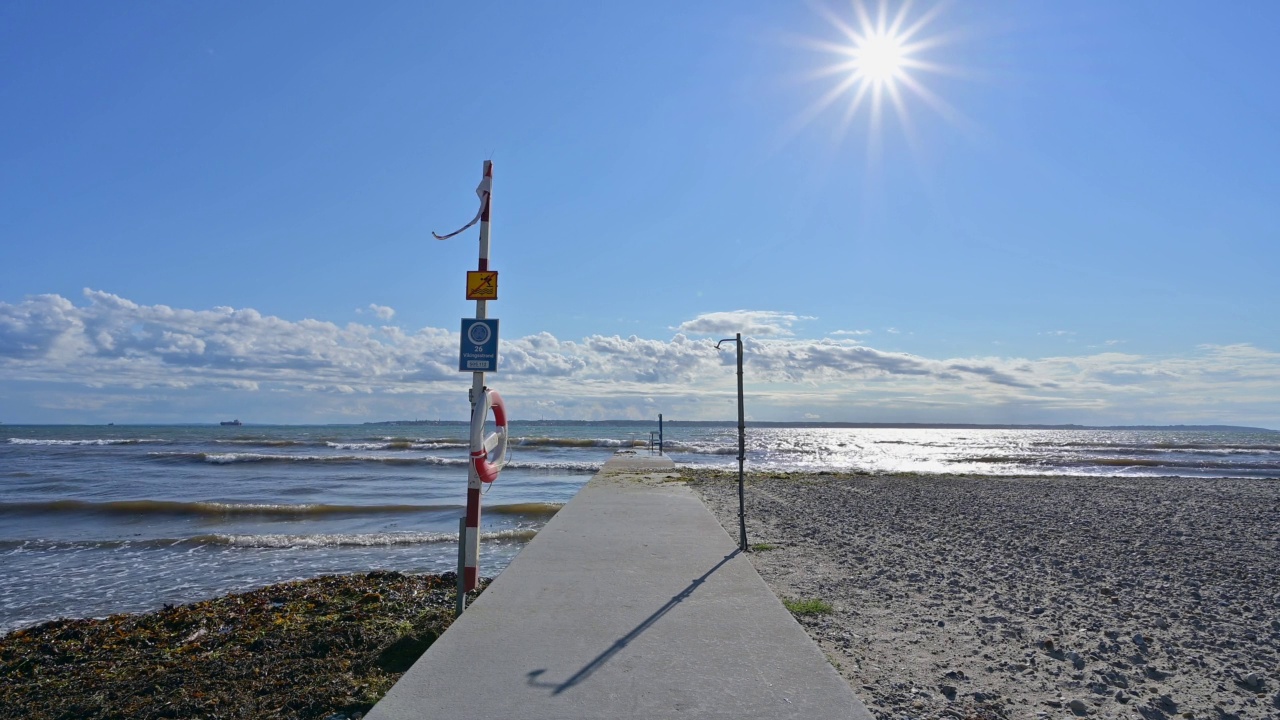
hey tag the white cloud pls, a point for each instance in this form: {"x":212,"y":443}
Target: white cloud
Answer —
{"x":123,"y":357}
{"x":757,"y":323}
{"x":851,"y":332}
{"x":382,"y":312}
{"x":47,"y":338}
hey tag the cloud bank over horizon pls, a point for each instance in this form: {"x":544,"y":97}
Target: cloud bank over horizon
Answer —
{"x":111,"y":359}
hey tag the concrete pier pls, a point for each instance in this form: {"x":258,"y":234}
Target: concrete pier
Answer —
{"x":632,"y":602}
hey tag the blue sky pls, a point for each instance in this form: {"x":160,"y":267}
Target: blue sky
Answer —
{"x":217,"y":210}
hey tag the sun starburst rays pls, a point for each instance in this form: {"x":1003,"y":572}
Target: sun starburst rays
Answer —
{"x":877,"y":60}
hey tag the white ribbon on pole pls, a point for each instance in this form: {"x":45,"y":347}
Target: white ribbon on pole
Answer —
{"x":482,"y":190}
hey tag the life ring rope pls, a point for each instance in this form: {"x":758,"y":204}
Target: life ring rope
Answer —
{"x":489,"y":453}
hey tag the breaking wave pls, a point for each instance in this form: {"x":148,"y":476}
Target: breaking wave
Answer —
{"x":266,"y":541}
{"x":221,"y":509}
{"x":533,"y":442}
{"x":398,"y":445}
{"x":249,"y":457}
{"x":351,"y":459}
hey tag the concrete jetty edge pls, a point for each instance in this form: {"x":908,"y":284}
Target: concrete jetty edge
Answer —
{"x":632,"y":602}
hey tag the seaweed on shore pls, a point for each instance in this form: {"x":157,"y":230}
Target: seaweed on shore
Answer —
{"x":314,"y":648}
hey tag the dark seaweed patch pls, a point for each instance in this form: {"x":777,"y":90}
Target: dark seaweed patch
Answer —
{"x":306,"y":649}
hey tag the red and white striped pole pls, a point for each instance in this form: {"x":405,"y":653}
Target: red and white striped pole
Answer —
{"x":488,"y":454}
{"x":471,"y":566}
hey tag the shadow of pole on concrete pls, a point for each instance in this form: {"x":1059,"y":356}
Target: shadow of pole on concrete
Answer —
{"x":586,"y":671}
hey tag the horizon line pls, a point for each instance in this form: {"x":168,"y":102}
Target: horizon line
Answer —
{"x":832,"y":424}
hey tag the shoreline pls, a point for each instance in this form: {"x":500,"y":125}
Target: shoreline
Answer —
{"x":1006,"y":597}
{"x":951,"y":597}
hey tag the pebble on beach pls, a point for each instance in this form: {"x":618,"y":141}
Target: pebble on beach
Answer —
{"x":997,"y":597}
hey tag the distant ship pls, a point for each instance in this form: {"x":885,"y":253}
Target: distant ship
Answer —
{"x":235,"y":423}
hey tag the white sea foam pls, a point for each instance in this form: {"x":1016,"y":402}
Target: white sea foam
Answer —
{"x":355,"y":540}
{"x":366,"y":446}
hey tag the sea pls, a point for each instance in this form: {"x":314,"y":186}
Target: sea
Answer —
{"x":97,"y":520}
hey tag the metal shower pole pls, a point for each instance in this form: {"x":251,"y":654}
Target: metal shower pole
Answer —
{"x":742,"y":448}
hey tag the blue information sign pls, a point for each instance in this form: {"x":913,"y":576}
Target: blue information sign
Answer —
{"x":479,"y":351}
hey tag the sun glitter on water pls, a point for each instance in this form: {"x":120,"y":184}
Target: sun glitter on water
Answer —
{"x":877,"y":61}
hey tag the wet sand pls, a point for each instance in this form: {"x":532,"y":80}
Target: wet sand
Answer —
{"x":983,"y":597}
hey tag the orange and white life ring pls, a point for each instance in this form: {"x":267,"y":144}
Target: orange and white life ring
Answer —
{"x":489,"y":453}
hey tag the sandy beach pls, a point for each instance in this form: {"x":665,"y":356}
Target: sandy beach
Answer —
{"x":983,"y":597}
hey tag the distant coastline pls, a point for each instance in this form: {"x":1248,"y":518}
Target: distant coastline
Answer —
{"x":838,"y":425}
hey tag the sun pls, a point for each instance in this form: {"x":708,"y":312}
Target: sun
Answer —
{"x":878,"y":60}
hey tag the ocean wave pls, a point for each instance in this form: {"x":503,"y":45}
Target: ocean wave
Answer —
{"x":230,"y":458}
{"x":400,"y":440}
{"x":993,"y":459}
{"x":353,"y":539}
{"x":577,"y":442}
{"x":576,"y":466}
{"x":529,"y":509}
{"x":1161,"y":452}
{"x":1073,"y":464}
{"x":1174,"y":463}
{"x":675,"y":446}
{"x":397,"y":445}
{"x":371,"y":445}
{"x":728,"y":450}
{"x":321,"y":540}
{"x":1211,"y":446}
{"x":259,"y":442}
{"x":1163,"y":446}
{"x":386,"y":443}
{"x":97,"y":441}
{"x":224,"y":509}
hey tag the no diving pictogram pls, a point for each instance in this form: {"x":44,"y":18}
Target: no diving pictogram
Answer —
{"x":482,"y":285}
